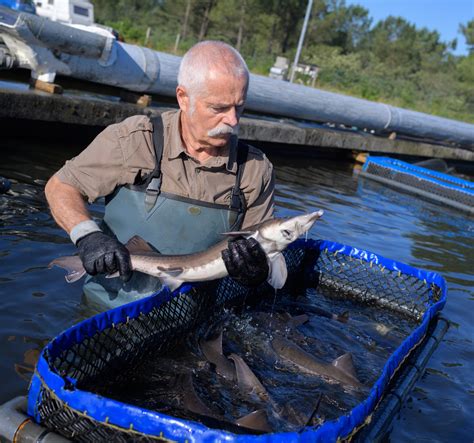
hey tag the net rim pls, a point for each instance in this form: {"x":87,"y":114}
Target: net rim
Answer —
{"x":152,"y":423}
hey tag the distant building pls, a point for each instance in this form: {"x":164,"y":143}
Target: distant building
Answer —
{"x":279,"y":70}
{"x":80,"y":12}
{"x":308,"y":70}
{"x":76,"y":13}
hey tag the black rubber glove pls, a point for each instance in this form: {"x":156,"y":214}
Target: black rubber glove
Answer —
{"x":102,"y":254}
{"x":246,"y":262}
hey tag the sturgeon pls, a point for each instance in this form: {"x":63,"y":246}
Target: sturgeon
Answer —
{"x":273,"y":236}
{"x":212,"y":350}
{"x":254,"y":421}
{"x":341,"y":369}
{"x":247,"y":381}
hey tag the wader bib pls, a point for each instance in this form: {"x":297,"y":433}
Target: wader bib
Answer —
{"x":172,"y":224}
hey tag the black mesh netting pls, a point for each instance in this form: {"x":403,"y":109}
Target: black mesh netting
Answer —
{"x":415,"y":181}
{"x":108,"y":354}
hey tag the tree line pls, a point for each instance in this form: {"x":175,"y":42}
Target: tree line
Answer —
{"x":391,"y":61}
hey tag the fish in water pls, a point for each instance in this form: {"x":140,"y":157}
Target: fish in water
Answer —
{"x":255,"y":421}
{"x":279,"y":321}
{"x":212,"y":350}
{"x":248,"y":382}
{"x":273,"y":235}
{"x":307,"y":307}
{"x":250,"y":385}
{"x":341,"y":369}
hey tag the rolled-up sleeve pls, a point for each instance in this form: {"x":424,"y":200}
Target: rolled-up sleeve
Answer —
{"x":115,"y":157}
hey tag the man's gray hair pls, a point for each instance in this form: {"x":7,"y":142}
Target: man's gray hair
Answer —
{"x":204,"y":57}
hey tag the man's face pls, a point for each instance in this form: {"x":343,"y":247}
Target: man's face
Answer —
{"x":213,"y":113}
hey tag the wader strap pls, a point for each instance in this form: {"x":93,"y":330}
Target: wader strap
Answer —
{"x":237,"y":200}
{"x":153,"y":189}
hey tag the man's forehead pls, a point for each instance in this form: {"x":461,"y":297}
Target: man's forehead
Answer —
{"x":223,"y":84}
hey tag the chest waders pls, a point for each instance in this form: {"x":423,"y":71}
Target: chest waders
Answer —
{"x":170,"y":223}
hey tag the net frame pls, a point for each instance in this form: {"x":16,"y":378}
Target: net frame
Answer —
{"x":432,"y":185}
{"x":60,"y":396}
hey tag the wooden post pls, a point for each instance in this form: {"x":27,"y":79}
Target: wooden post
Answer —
{"x":147,"y":36}
{"x":137,"y":99}
{"x":176,"y":43}
{"x":50,"y":88}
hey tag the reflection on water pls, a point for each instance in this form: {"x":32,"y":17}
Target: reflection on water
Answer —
{"x":37,"y":303}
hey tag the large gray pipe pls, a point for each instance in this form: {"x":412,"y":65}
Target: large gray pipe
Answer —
{"x":16,"y":426}
{"x":141,"y":69}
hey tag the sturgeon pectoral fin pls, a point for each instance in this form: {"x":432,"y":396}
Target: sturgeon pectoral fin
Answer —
{"x":278,"y":272}
{"x":256,"y":420}
{"x":169,"y":277}
{"x":72,"y":264}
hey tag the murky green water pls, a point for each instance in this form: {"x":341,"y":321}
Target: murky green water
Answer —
{"x":35,"y":306}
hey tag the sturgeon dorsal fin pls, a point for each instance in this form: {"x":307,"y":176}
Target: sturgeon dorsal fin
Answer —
{"x":345,"y":364}
{"x":256,"y":420}
{"x":136,"y":245}
{"x":298,"y":320}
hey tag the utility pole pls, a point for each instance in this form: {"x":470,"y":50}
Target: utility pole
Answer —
{"x":301,"y":40}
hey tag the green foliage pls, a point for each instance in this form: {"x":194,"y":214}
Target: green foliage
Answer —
{"x":468,"y":32}
{"x":391,"y":61}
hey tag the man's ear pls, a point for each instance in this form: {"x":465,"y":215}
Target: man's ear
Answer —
{"x":183,"y":99}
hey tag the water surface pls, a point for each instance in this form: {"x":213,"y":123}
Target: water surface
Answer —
{"x":37,"y":303}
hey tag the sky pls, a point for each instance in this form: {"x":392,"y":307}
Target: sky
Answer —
{"x":443,"y":16}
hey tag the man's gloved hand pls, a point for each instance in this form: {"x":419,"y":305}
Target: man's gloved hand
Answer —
{"x":246,"y":262}
{"x":102,"y":254}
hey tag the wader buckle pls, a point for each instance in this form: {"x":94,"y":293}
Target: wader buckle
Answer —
{"x":152,"y":192}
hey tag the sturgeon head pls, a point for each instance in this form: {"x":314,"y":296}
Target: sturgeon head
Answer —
{"x":275,"y":235}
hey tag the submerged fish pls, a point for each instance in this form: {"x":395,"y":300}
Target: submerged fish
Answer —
{"x":341,"y":369}
{"x":212,"y":350}
{"x":250,"y":385}
{"x":273,"y":235}
{"x":248,"y":382}
{"x":307,"y":307}
{"x":279,"y":321}
{"x":254,"y":421}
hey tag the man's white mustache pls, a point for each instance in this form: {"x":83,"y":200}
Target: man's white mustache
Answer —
{"x":222,"y":130}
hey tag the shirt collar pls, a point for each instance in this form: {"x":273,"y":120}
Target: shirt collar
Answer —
{"x":176,"y":148}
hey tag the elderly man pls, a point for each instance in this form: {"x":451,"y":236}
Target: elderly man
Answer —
{"x":178,"y":181}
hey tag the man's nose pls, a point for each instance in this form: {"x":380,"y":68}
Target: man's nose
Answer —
{"x":232,"y":117}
